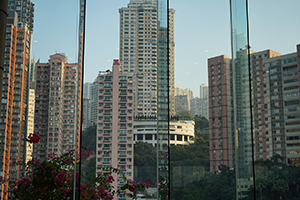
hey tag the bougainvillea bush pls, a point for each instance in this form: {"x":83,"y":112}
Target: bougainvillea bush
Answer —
{"x":53,"y":178}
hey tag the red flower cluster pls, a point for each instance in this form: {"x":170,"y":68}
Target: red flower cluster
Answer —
{"x":87,"y":153}
{"x":33,"y":138}
{"x":147,"y":184}
{"x":131,"y":187}
{"x":53,"y":177}
{"x":109,"y":179}
{"x":62,"y":178}
{"x":16,"y":162}
{"x":23,"y":182}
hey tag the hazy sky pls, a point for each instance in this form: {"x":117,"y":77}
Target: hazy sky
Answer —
{"x":202,"y":30}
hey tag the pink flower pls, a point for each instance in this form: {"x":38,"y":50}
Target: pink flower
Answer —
{"x":132,"y":188}
{"x":23,"y":182}
{"x":15,"y":191}
{"x":53,"y":172}
{"x":147,"y":184}
{"x":109,"y":179}
{"x":33,"y":138}
{"x":62,"y":177}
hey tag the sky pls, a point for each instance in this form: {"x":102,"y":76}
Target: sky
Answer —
{"x":202,"y":30}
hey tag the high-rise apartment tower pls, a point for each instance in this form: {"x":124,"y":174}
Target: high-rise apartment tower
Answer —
{"x":138,"y":53}
{"x":56,"y":89}
{"x":13,"y":120}
{"x":115,"y":123}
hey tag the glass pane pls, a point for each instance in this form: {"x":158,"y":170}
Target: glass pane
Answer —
{"x":242,"y":98}
{"x":164,"y":84}
{"x":178,"y":117}
{"x":40,"y":107}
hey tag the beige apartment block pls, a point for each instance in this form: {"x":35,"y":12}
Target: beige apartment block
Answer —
{"x":57,"y":90}
{"x":138,"y":53}
{"x":276,"y":114}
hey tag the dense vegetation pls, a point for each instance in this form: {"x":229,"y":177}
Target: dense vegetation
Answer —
{"x":194,"y":157}
{"x":88,"y":164}
{"x":274,"y":181}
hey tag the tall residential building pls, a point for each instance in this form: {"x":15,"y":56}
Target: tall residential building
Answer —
{"x":25,"y":11}
{"x":94,"y":102}
{"x":195,"y":104}
{"x":87,"y":87}
{"x":56,"y":89}
{"x":86,"y":111}
{"x":182,"y":103}
{"x":13,"y":120}
{"x":115,"y":123}
{"x":178,"y":90}
{"x":188,"y":91}
{"x":221,"y":118}
{"x":199,"y":106}
{"x":276,"y":103}
{"x":138,"y":53}
{"x":32,"y":73}
{"x":204,"y":91}
{"x":87,"y":95}
{"x":275,"y":87}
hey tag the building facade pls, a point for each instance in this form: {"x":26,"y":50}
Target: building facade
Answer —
{"x":56,"y":91}
{"x":86,"y":111}
{"x":114,"y":145}
{"x":138,"y":53}
{"x":276,"y":105}
{"x":13,"y":120}
{"x":275,"y":92}
{"x":178,"y":90}
{"x":87,"y":87}
{"x":221,"y":126}
{"x":204,"y":91}
{"x":188,"y":91}
{"x":181,"y":132}
{"x":182,"y":103}
{"x":199,"y":106}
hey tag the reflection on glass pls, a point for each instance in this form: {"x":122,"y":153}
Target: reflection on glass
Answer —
{"x":242,"y":97}
{"x":163,"y":98}
{"x":79,"y":103}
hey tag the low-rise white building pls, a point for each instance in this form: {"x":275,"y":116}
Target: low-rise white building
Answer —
{"x":181,"y":132}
